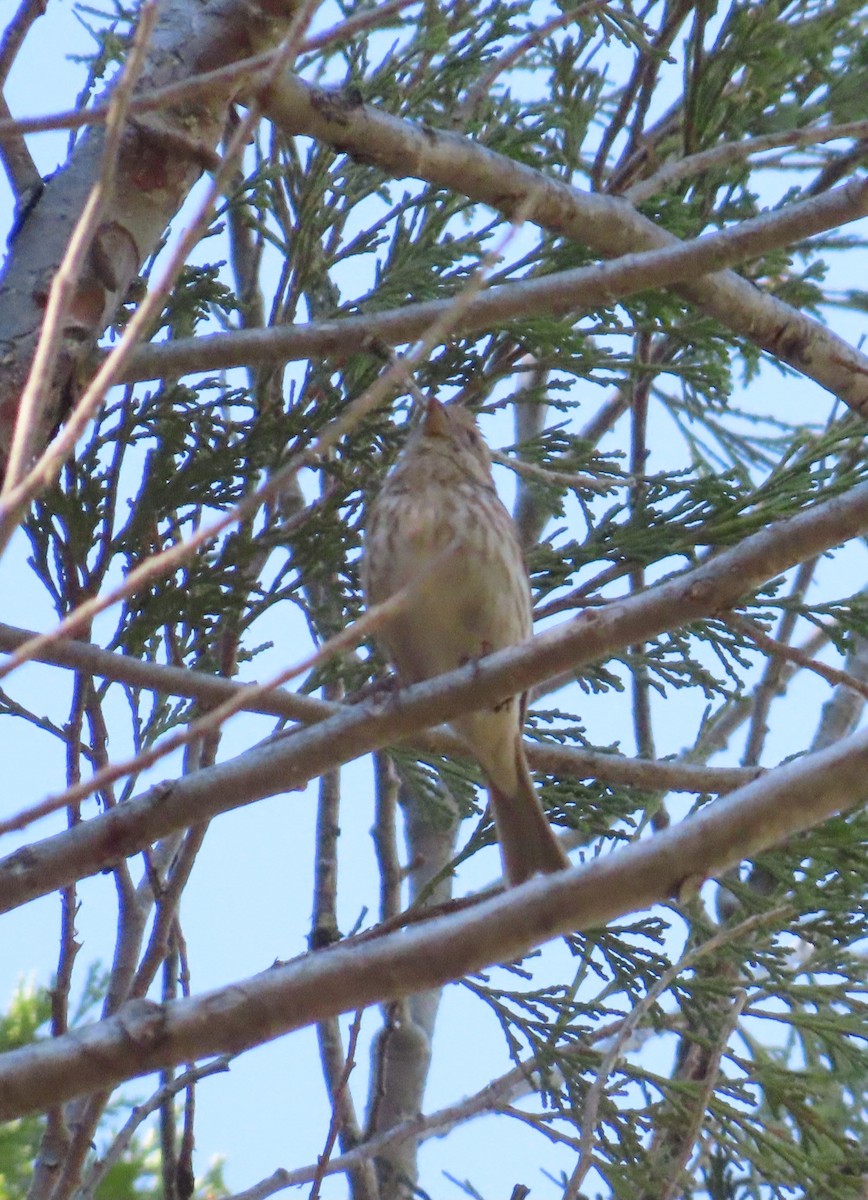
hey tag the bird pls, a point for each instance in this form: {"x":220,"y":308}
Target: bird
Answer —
{"x":439,"y":524}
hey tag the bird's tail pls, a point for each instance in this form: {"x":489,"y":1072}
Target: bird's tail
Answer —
{"x":527,"y":842}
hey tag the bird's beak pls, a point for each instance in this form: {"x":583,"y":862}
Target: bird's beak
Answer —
{"x":436,"y":420}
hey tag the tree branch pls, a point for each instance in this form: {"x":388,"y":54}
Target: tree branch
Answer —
{"x":143,"y":1036}
{"x":289,"y":761}
{"x":658,"y":261}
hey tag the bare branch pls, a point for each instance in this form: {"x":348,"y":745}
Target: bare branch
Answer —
{"x":791,"y":336}
{"x":22,"y":172}
{"x":144,"y":1037}
{"x":338,"y":1107}
{"x":774,"y":646}
{"x":608,"y":225}
{"x":212,"y":689}
{"x":729,"y":152}
{"x":290,"y":761}
{"x":101,"y":1166}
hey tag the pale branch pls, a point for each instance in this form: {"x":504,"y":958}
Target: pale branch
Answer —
{"x":843,"y":710}
{"x":334,"y":1059}
{"x":608,"y":225}
{"x":167,"y":680}
{"x":796,"y":339}
{"x":400,"y":1054}
{"x":640,"y":676}
{"x":198,"y":83}
{"x":530,"y":511}
{"x":324,"y":921}
{"x":655,"y":775}
{"x":338,"y":1109}
{"x":209,"y":723}
{"x":21,"y":171}
{"x":167,"y":894}
{"x":289,"y":761}
{"x":209,"y":690}
{"x":727,"y":153}
{"x":431,"y":834}
{"x":384,"y":835}
{"x":400,"y":1061}
{"x":143,"y":1037}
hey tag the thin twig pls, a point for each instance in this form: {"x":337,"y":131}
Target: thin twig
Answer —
{"x":675,"y":1184}
{"x":324,"y":932}
{"x":350,"y":28}
{"x":769,"y":686}
{"x":729,"y":152}
{"x":354,"y":633}
{"x":15,"y":32}
{"x":248,"y":70}
{"x":101,"y":1166}
{"x":770,"y":645}
{"x":639,"y":674}
{"x":334,"y":1124}
{"x":508,"y":60}
{"x":577,"y":482}
{"x":167,"y":897}
{"x":719,"y":730}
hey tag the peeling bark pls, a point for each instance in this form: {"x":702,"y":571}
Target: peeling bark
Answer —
{"x":159,"y":161}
